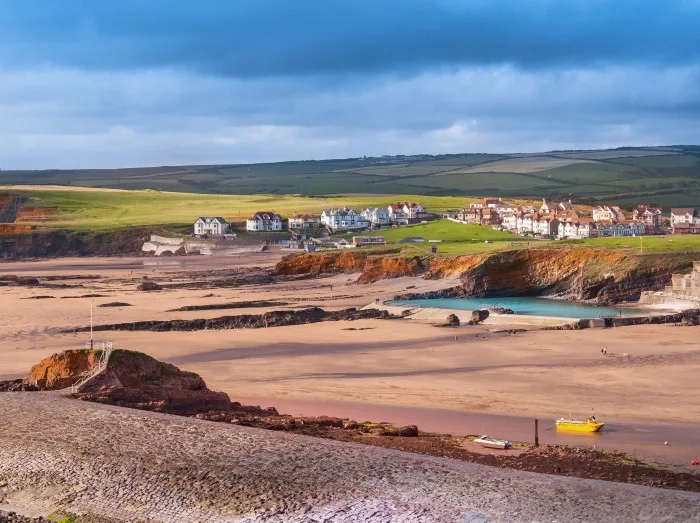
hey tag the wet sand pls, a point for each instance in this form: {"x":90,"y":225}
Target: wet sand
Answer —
{"x":643,"y":440}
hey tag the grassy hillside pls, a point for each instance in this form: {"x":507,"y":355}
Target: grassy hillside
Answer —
{"x":80,"y":209}
{"x":104,"y":209}
{"x":666,"y":176}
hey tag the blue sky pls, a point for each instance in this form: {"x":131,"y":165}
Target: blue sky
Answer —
{"x":124,"y":83}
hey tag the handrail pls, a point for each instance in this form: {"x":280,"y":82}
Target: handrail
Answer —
{"x":106,"y":348}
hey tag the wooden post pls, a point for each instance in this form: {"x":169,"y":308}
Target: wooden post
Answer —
{"x":537,"y":436}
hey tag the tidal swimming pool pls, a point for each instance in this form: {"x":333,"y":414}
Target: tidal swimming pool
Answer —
{"x":528,"y":306}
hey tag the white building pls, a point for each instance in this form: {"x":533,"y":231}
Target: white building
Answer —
{"x":605,"y":213}
{"x":211,"y":225}
{"x":343,"y":219}
{"x":264,"y":221}
{"x":305,"y":221}
{"x":546,"y":226}
{"x":377,"y":216}
{"x":510,"y":221}
{"x":684,"y":215}
{"x":581,"y":229}
{"x":649,"y":214}
{"x":526,"y":223}
{"x":413,"y":210}
{"x":397,"y":214}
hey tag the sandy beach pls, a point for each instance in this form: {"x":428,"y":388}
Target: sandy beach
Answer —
{"x":406,"y":363}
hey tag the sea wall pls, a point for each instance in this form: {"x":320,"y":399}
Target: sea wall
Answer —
{"x":159,"y":245}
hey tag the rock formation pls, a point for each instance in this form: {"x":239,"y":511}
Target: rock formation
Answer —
{"x":452,"y":320}
{"x":43,"y":244}
{"x":478,"y":316}
{"x":246,"y":321}
{"x":62,"y":370}
{"x":18,"y":385}
{"x":147,"y":285}
{"x":596,"y":275}
{"x":134,"y":379}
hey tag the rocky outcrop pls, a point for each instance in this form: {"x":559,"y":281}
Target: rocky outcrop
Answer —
{"x":322,"y":263}
{"x":371,"y":268}
{"x":232,"y":305}
{"x":578,"y":273}
{"x":62,"y":370}
{"x":134,"y":379}
{"x":501,"y":310}
{"x":478,"y":316}
{"x":115,"y":304}
{"x":25,"y":281}
{"x":452,"y":320}
{"x":599,"y":275}
{"x":382,"y":267}
{"x":246,"y":321}
{"x":689,"y":317}
{"x":18,"y":385}
{"x":147,"y":286}
{"x":50,"y":243}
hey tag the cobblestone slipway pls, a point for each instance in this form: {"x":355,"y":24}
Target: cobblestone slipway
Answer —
{"x":112,"y":464}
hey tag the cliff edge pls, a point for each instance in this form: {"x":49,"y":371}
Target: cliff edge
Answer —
{"x":578,"y":273}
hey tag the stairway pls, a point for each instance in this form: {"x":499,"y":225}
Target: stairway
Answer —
{"x":106,"y":348}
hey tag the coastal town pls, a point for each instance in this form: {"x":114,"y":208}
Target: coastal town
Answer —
{"x":548,"y":219}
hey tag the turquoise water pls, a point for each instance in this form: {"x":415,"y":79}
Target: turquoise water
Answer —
{"x":522,"y":305}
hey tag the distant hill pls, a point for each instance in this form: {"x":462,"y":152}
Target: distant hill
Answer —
{"x":667,"y":176}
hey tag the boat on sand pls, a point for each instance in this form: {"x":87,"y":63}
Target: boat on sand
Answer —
{"x":492,"y":443}
{"x":576,"y":425}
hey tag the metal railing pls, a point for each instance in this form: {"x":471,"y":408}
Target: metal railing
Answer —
{"x":106,"y":348}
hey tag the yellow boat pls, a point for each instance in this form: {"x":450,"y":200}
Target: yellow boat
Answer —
{"x":574,"y":425}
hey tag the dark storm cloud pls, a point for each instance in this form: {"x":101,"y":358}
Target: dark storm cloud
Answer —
{"x":261,"y":38}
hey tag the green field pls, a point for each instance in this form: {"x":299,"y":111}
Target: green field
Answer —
{"x":665,"y":176}
{"x":106,"y":209}
{"x":452,"y":238}
{"x":457,"y":238}
{"x":97,"y":209}
{"x":642,"y":244}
